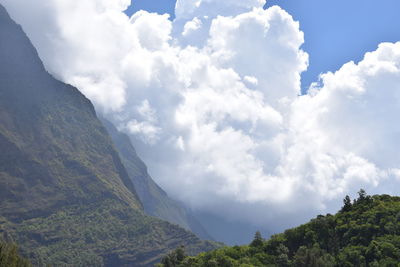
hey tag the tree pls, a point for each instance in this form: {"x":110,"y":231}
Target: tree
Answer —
{"x":180,"y":254}
{"x":174,"y":258}
{"x":282,"y":259}
{"x":312,"y":257}
{"x":258,"y":241}
{"x":362,"y":195}
{"x":346,"y":204}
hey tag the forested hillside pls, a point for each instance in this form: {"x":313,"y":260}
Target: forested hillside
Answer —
{"x":365,"y":232}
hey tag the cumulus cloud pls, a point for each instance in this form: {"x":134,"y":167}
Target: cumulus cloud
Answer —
{"x":146,"y":129}
{"x":191,"y":26}
{"x":212,"y":102}
{"x":352,"y":119}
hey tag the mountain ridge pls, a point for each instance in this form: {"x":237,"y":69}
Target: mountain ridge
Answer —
{"x":65,"y":196}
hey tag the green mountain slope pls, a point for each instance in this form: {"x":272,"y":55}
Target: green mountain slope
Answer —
{"x":155,"y":201}
{"x":364,"y":233}
{"x":65,"y":196}
{"x":9,"y":256}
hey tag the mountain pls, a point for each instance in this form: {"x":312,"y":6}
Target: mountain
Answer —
{"x":65,"y":195}
{"x":155,"y":200}
{"x":365,"y":232}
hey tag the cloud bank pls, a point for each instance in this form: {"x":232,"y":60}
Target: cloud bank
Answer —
{"x":212,"y":101}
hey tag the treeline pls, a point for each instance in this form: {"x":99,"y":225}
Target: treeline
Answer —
{"x":365,"y":233}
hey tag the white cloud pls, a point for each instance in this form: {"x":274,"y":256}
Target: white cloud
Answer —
{"x":213,"y":102}
{"x":152,"y":30}
{"x":263,"y":44}
{"x":250,"y":80}
{"x":350,"y":122}
{"x":191,"y":26}
{"x":147,"y":130}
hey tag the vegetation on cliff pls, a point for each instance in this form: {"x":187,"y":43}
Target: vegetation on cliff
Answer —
{"x":10,"y":257}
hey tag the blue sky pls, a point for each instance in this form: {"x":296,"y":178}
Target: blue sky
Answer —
{"x":159,"y":6}
{"x":335,"y":31}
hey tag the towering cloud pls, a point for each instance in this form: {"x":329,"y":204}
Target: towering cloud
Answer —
{"x":346,"y":127}
{"x":212,"y":102}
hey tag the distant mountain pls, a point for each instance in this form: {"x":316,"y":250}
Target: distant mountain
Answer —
{"x":228,"y":231}
{"x":365,"y":232}
{"x":155,"y":201}
{"x":65,"y":195}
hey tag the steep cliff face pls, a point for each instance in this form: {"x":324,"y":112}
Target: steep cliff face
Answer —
{"x":65,"y":195}
{"x":54,"y":149}
{"x":155,"y":200}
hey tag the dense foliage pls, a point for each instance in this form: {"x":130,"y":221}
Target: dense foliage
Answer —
{"x":365,"y":232}
{"x":106,"y":233}
{"x":9,"y":256}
